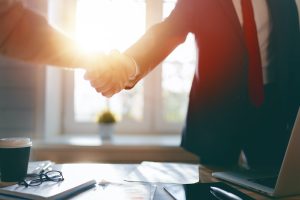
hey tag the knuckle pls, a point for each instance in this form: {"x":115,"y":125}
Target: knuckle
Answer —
{"x":98,"y":90}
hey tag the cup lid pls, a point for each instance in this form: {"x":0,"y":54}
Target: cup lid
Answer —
{"x":15,"y":142}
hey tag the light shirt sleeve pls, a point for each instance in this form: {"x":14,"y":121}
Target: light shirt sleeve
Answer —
{"x":27,"y":36}
{"x":6,"y":4}
{"x":10,"y":15}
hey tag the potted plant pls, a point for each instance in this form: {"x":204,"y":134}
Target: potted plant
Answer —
{"x":106,"y":121}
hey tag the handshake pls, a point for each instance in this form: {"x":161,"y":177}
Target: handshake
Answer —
{"x":112,"y":73}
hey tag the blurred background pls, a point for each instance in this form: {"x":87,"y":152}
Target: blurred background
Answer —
{"x":46,"y":103}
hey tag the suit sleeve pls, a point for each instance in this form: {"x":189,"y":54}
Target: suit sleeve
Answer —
{"x":27,"y":36}
{"x":161,"y":39}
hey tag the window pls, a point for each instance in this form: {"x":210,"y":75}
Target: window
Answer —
{"x":157,"y":104}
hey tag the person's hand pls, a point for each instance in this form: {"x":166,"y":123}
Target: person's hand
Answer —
{"x":111,"y":74}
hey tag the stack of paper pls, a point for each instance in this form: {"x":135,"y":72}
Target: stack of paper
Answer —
{"x":164,"y":172}
{"x":119,"y":191}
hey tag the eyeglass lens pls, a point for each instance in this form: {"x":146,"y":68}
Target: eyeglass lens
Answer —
{"x":38,"y":179}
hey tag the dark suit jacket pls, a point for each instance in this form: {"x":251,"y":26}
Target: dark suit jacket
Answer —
{"x":219,"y":90}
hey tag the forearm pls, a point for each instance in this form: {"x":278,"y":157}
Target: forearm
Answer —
{"x":153,"y":47}
{"x":28,"y":36}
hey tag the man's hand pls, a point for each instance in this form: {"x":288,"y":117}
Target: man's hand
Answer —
{"x":112,"y":73}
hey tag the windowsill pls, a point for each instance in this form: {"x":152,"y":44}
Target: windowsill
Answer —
{"x":117,"y":140}
{"x":122,"y":149}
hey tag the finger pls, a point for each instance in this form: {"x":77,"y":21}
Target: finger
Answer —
{"x":103,"y":91}
{"x":109,"y":94}
{"x":98,"y":83}
{"x":102,"y":67}
{"x":107,"y":90}
{"x":119,"y":68}
{"x":125,"y":64}
{"x":98,"y":74}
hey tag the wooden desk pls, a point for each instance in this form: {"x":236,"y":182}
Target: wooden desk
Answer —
{"x":117,"y":173}
{"x":67,"y":153}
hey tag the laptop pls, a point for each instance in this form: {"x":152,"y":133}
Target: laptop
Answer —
{"x":284,"y":183}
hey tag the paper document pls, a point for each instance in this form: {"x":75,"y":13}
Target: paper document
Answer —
{"x":163,"y":172}
{"x":119,"y":191}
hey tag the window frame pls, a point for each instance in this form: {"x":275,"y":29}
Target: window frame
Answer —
{"x":153,"y":122}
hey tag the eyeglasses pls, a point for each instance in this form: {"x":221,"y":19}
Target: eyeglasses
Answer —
{"x":38,"y":179}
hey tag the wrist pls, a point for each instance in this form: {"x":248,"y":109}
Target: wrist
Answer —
{"x":136,"y":69}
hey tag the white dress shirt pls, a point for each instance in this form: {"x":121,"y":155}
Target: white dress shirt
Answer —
{"x":263,"y":25}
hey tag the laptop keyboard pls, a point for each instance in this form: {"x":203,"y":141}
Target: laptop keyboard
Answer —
{"x":267,"y":181}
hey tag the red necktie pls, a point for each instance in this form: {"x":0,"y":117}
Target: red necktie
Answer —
{"x":256,"y":87}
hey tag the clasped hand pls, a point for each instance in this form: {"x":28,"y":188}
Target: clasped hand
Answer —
{"x":111,"y":74}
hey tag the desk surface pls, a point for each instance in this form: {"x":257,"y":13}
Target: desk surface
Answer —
{"x":117,"y":172}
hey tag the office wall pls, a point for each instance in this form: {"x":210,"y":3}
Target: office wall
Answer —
{"x":21,"y":98}
{"x":22,"y":92}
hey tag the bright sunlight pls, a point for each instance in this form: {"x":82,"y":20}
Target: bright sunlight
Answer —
{"x":105,"y":25}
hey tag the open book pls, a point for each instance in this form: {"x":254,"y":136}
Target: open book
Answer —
{"x":71,"y":185}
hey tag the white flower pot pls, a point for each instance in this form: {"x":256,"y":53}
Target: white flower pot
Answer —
{"x":106,"y":131}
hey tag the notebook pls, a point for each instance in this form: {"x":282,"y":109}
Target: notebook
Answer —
{"x":284,"y":183}
{"x":70,"y":186}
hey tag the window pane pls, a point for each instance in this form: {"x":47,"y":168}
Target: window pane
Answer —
{"x":177,"y":73}
{"x":105,"y":25}
{"x":168,"y":6}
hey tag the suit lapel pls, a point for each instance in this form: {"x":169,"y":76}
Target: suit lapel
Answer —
{"x":230,"y":12}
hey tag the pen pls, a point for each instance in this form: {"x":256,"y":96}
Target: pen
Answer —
{"x":169,"y":193}
{"x":41,"y":168}
{"x":222,"y":194}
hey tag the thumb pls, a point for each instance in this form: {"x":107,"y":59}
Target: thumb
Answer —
{"x":126,"y":61}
